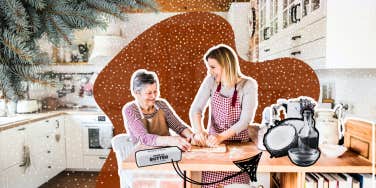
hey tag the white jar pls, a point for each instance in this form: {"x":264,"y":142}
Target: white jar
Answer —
{"x":328,"y":127}
{"x":3,"y":108}
{"x":12,"y":106}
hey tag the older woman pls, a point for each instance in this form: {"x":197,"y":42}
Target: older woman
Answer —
{"x":149,"y":118}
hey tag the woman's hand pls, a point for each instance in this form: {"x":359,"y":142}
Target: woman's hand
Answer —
{"x":180,"y":142}
{"x":199,"y":139}
{"x":215,"y":140}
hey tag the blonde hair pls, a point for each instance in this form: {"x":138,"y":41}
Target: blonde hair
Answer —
{"x":227,"y":59}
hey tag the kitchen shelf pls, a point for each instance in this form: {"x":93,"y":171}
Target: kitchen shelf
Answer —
{"x":71,"y":63}
{"x":74,"y":67}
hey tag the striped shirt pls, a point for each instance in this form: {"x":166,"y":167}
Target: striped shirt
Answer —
{"x":134,"y":126}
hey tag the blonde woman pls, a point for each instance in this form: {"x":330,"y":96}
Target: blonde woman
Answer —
{"x":232,"y":98}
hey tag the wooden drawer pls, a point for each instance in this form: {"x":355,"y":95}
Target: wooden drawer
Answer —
{"x":308,"y":51}
{"x":309,"y":33}
{"x":294,"y":39}
{"x":358,"y":138}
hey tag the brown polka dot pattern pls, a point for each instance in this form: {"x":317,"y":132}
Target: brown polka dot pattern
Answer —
{"x":174,"y":49}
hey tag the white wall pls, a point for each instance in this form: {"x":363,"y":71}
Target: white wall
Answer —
{"x":356,"y":87}
{"x":138,"y":23}
{"x":238,"y":18}
{"x":351,"y":33}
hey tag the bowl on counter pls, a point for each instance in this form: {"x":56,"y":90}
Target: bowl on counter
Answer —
{"x":332,"y":150}
{"x":303,"y":156}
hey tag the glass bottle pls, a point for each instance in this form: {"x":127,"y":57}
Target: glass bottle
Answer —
{"x":308,"y":135}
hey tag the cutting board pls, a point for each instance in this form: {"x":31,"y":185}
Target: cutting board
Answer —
{"x":220,"y":149}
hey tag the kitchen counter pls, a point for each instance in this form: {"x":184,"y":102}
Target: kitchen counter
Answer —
{"x":22,"y":119}
{"x":194,"y":162}
{"x":197,"y":161}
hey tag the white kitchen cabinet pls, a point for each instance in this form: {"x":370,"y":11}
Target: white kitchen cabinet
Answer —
{"x":3,"y":181}
{"x":12,"y":142}
{"x":73,"y":141}
{"x":57,"y":151}
{"x":94,"y":162}
{"x":49,"y":159}
{"x":291,"y":25}
{"x":287,"y":15}
{"x":15,"y":177}
{"x":37,"y":139}
{"x":324,"y":34}
{"x":47,"y":156}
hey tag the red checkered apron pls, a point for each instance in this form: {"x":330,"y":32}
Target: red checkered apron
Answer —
{"x":225,"y":112}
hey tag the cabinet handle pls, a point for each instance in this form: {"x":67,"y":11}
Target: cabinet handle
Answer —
{"x":48,"y":151}
{"x":292,"y":11}
{"x":296,"y":37}
{"x":253,"y":21}
{"x":102,"y":157}
{"x":296,"y":53}
{"x":57,"y":124}
{"x":266,"y":31}
{"x":48,"y":136}
{"x":21,"y":129}
{"x":295,"y":13}
{"x":267,"y":50}
{"x":49,"y":167}
{"x":47,"y":121}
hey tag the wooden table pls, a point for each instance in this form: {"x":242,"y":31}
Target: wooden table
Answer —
{"x":199,"y":161}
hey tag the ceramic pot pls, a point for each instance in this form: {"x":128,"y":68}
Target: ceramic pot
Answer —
{"x":328,"y":127}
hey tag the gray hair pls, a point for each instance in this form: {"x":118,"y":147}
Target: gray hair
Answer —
{"x":142,"y":77}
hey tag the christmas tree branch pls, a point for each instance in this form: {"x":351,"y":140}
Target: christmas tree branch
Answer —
{"x":6,"y":39}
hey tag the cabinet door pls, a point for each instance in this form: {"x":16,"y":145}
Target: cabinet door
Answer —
{"x":94,"y":162}
{"x":12,"y":146}
{"x":16,"y":177}
{"x":3,"y":181}
{"x":58,"y":153}
{"x":309,"y":11}
{"x":37,"y":171}
{"x":287,"y":14}
{"x":38,"y":139}
{"x":38,"y":136}
{"x":73,"y":140}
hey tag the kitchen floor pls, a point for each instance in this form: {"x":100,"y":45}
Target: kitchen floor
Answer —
{"x":71,"y":179}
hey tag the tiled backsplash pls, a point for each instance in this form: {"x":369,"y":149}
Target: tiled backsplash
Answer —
{"x":356,"y":87}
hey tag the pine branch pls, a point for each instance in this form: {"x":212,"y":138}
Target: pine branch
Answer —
{"x":6,"y":83}
{"x":37,"y":4}
{"x":23,"y":22}
{"x":103,"y":6}
{"x":15,"y":46}
{"x":15,"y":16}
{"x":145,"y":4}
{"x":35,"y":23}
{"x":56,"y":29}
{"x":76,"y":18}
